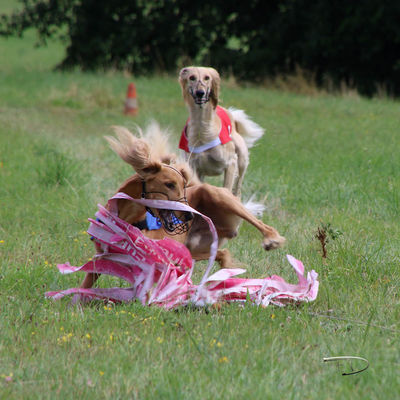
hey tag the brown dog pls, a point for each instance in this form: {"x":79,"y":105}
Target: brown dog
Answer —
{"x":216,"y":140}
{"x":157,"y":178}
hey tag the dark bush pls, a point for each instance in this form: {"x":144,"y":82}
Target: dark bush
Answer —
{"x":344,"y":41}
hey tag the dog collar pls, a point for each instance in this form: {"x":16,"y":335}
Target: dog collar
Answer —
{"x":204,"y":147}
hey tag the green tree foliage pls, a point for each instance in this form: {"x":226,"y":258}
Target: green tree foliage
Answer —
{"x":357,"y":42}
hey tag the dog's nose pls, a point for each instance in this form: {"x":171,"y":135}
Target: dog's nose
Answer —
{"x":200,"y":93}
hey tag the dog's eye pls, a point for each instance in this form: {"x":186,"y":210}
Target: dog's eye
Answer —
{"x":170,"y":185}
{"x":192,"y":77}
{"x":206,"y":78}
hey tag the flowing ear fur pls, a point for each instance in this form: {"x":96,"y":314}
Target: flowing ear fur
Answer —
{"x":151,"y":169}
{"x":134,"y":151}
{"x":216,"y":80}
{"x":183,"y":74}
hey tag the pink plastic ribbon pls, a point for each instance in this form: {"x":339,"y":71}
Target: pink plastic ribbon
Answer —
{"x":159,"y":271}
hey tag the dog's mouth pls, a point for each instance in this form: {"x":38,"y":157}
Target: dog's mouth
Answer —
{"x":173,"y":224}
{"x":200,"y":96}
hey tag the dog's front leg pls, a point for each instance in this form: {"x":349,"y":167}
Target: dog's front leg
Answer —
{"x":91,"y":277}
{"x":224,"y":209}
{"x":89,"y":280}
{"x":87,"y":283}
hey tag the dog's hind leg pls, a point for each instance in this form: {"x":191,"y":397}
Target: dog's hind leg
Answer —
{"x":223,"y":258}
{"x":242,"y":163}
{"x":230,"y":173}
{"x":199,"y":243}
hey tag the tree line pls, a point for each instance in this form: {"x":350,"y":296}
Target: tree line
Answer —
{"x":355,"y":42}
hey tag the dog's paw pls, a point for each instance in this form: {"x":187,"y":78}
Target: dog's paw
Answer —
{"x":273,"y":243}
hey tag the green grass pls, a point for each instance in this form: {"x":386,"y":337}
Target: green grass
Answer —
{"x":324,"y":159}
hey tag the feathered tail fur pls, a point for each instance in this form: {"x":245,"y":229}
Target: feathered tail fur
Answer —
{"x":257,"y":209}
{"x":247,"y":128}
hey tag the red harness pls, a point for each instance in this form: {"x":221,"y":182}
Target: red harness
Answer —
{"x":224,"y":134}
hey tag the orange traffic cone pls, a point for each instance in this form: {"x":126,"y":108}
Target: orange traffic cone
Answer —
{"x":131,"y":106}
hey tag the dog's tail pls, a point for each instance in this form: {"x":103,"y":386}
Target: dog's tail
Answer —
{"x":247,"y":128}
{"x":256,"y":209}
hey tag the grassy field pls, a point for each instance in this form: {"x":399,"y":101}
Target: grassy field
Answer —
{"x":323,"y":160}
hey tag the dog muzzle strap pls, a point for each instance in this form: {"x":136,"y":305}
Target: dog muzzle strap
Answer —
{"x":201,"y":100}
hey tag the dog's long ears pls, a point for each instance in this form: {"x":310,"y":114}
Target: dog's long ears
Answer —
{"x":182,"y":73}
{"x":134,"y":151}
{"x":216,"y":80}
{"x":182,"y":81}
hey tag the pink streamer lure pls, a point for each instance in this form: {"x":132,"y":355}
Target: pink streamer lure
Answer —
{"x":159,"y":271}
